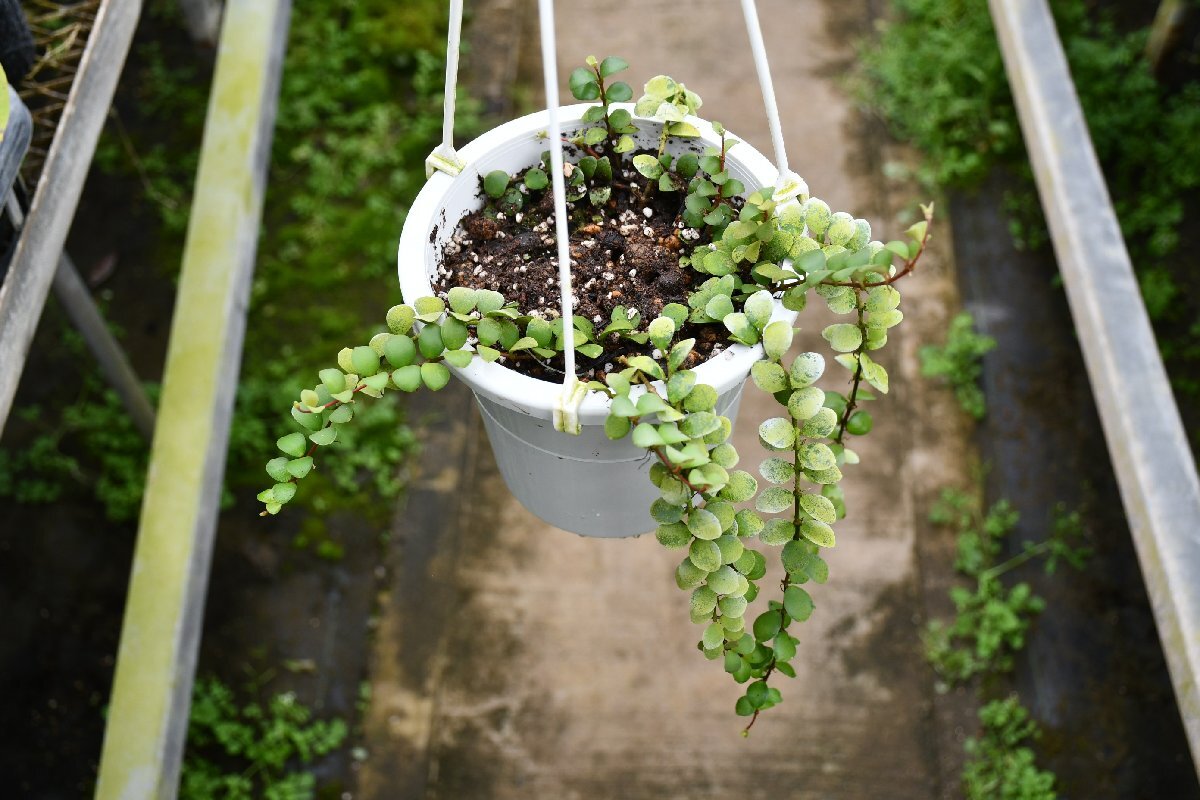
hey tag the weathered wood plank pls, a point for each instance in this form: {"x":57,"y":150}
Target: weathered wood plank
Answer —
{"x":1149,"y":448}
{"x":75,"y":298}
{"x":147,"y":724}
{"x":23,"y":294}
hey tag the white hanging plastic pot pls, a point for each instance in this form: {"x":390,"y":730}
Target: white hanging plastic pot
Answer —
{"x":586,"y":484}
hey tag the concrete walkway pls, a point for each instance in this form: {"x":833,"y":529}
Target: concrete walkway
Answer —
{"x":516,"y":661}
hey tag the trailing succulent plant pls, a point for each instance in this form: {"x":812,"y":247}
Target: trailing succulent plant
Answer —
{"x":754,"y":250}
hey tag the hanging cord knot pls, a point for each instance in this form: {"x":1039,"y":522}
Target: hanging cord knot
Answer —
{"x":566,"y":406}
{"x":444,"y":158}
{"x":790,"y":185}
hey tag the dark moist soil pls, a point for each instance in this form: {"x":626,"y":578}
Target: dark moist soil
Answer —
{"x":626,"y":254}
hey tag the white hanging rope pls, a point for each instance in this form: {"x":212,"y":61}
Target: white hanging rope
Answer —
{"x":444,"y":157}
{"x":566,"y":410}
{"x":788,"y":184}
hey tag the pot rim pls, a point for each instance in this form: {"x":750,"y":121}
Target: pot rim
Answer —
{"x":416,"y":254}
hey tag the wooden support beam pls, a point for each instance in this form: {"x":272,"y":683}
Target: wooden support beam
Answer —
{"x":203,"y":19}
{"x":1164,"y":32}
{"x":81,"y":309}
{"x":148,"y":713}
{"x":35,"y":261}
{"x":1146,"y":440}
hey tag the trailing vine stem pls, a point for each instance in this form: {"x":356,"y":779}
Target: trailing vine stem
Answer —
{"x":856,"y":380}
{"x":744,"y":256}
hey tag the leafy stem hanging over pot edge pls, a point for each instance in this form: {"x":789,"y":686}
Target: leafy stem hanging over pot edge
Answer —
{"x":754,"y":255}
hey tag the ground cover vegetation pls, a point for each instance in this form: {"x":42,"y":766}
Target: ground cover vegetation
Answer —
{"x":958,"y":362}
{"x":935,"y":75}
{"x":360,"y":99}
{"x":991,"y":620}
{"x":241,"y":749}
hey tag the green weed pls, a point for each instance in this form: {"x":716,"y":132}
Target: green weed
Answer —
{"x":958,"y":362}
{"x":239,"y":750}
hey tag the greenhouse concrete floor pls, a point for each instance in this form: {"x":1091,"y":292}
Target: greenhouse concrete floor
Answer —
{"x":513,"y":660}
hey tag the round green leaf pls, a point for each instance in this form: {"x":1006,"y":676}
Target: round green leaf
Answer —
{"x":714,"y":635}
{"x":294,"y":445}
{"x":705,"y":555}
{"x":277,"y":468}
{"x":776,"y":434}
{"x":797,"y":603}
{"x":818,"y":507}
{"x":343,"y":359}
{"x":454,"y":334}
{"x":725,"y":455}
{"x":843,"y":337}
{"x":299,"y":467}
{"x":795,"y":556}
{"x":841,"y":229}
{"x":325,"y":436}
{"x":806,"y":369}
{"x":704,"y":524}
{"x":784,"y":647}
{"x":774,"y":500}
{"x":536,"y":179}
{"x":820,"y":424}
{"x":769,"y":376}
{"x":616,"y":427}
{"x":817,"y":216}
{"x":365,"y":361}
{"x":806,"y":402}
{"x":875,"y":374}
{"x":882,"y":298}
{"x":702,"y":398}
{"x":408,"y":378}
{"x":495,"y":183}
{"x":399,"y":351}
{"x":824,"y":476}
{"x":723,"y":511}
{"x":840,"y":299}
{"x":434,"y":375}
{"x":724,"y":580}
{"x":739,"y":325}
{"x":400,"y":319}
{"x":817,"y":532}
{"x":662,"y":511}
{"x":777,"y":470}
{"x":816,"y":456}
{"x":687,"y":576}
{"x":430,"y":341}
{"x":758,"y":308}
{"x":860,"y":423}
{"x":777,"y":338}
{"x":766,"y":625}
{"x":740,"y":488}
{"x":777,"y":532}
{"x":334,"y":380}
{"x":673,"y":536}
{"x":704,"y":600}
{"x":731,"y":548}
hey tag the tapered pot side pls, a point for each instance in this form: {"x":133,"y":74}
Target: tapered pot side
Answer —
{"x":586,"y":484}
